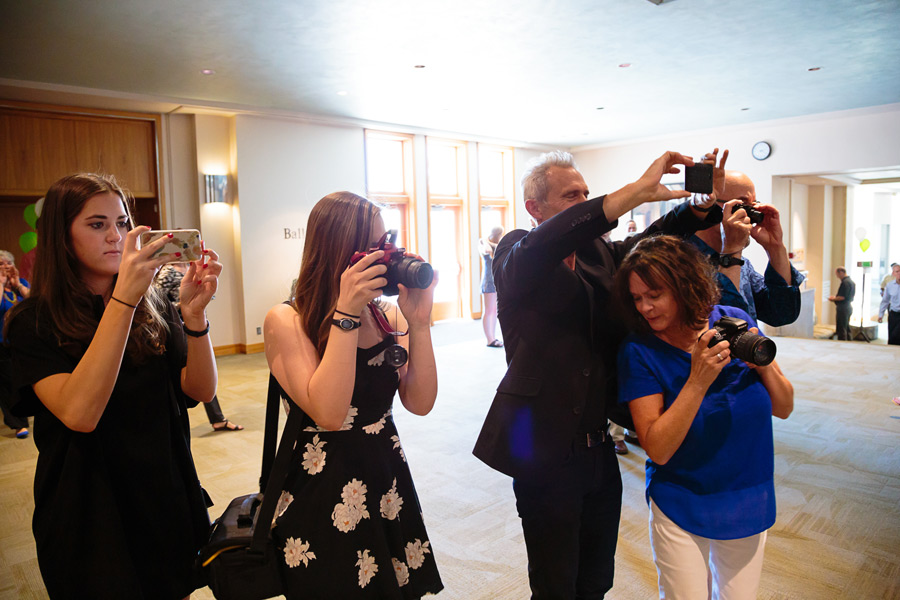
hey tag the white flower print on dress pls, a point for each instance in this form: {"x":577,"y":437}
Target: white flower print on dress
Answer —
{"x":415,"y":553}
{"x":377,"y":426}
{"x":401,"y":571}
{"x":396,"y":440}
{"x":391,"y":503}
{"x":283,"y":502}
{"x":297,"y":551}
{"x":376,"y":361}
{"x":314,"y":457}
{"x":354,"y":493}
{"x":367,"y":567}
{"x":348,"y":420}
{"x":346,"y":517}
{"x":352,"y":510}
{"x":346,"y":426}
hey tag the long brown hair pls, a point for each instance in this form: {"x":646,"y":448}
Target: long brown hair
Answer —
{"x":668,"y":262}
{"x":339,"y":225}
{"x":58,"y":291}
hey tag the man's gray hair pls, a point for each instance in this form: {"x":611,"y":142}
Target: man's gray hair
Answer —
{"x":8,"y":256}
{"x":534,"y":182}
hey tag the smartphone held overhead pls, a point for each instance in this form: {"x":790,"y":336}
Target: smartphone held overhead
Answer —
{"x":698,"y":179}
{"x":184,"y":245}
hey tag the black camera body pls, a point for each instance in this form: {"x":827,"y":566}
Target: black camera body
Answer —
{"x":411,"y":272}
{"x":756,"y":216}
{"x":745,"y":345}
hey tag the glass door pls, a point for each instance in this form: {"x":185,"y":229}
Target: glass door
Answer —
{"x":445,"y":258}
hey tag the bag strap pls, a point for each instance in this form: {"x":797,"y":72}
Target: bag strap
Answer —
{"x":274,"y":478}
{"x":271,"y":431}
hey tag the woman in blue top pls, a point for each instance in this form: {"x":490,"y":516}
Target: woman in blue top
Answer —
{"x":705,"y":420}
{"x":14,"y":289}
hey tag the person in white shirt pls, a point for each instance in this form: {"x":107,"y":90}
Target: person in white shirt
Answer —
{"x":890,"y":302}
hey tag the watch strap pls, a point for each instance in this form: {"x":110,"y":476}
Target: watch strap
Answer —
{"x":727,"y":260}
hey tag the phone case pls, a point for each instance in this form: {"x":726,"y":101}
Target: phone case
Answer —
{"x":699,"y":178}
{"x":185,"y":241}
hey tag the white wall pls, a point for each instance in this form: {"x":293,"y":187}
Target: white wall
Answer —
{"x":863,"y":139}
{"x":213,"y":146}
{"x":284,"y":167}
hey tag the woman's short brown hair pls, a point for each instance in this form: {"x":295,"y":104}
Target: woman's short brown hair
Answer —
{"x":668,"y":262}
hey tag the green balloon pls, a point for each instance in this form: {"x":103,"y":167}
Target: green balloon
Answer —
{"x":865,"y":244}
{"x":27,"y":241}
{"x":30,"y":216}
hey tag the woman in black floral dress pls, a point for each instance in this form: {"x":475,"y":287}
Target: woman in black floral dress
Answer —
{"x":349,"y":519}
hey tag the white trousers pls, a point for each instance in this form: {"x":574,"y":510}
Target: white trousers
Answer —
{"x":692,"y":567}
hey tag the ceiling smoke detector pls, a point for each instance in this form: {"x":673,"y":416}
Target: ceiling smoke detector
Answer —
{"x":657,"y":2}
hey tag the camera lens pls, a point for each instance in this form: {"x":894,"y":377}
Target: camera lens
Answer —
{"x":753,"y":348}
{"x":414,"y":273}
{"x":396,"y":356}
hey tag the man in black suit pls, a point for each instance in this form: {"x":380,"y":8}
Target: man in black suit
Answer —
{"x":843,"y":309}
{"x":547,"y":425}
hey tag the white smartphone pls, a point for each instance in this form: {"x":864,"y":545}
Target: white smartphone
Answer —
{"x":184,"y":246}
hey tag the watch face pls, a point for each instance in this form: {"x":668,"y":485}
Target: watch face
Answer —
{"x":761,"y":150}
{"x":346,"y":324}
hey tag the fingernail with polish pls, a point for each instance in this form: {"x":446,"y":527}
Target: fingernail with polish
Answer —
{"x":205,"y":266}
{"x":178,"y":254}
{"x":171,"y":235}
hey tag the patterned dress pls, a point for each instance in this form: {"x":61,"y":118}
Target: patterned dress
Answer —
{"x":349,"y":519}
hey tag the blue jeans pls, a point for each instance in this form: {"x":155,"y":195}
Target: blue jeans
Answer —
{"x":571,"y":525}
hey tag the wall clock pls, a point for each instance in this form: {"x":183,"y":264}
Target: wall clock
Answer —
{"x":761,"y":150}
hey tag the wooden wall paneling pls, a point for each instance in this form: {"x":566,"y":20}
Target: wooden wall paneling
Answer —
{"x":34,"y":152}
{"x":12,"y":225}
{"x":120,"y":147}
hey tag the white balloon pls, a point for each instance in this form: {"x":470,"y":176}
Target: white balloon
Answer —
{"x":860,"y":233}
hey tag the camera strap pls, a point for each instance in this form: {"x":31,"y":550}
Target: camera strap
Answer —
{"x":382,"y":320}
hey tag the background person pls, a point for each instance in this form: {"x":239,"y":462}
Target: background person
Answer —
{"x":547,"y":424}
{"x":842,"y":303}
{"x":109,"y":369}
{"x":350,"y":521}
{"x":486,"y":247}
{"x":890,"y":303}
{"x":705,"y":420}
{"x":168,"y":280}
{"x":14,"y":289}
{"x":773,"y":297}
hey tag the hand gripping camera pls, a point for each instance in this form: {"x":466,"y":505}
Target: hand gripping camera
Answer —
{"x":749,"y":347}
{"x":756,"y":216}
{"x":410,"y":271}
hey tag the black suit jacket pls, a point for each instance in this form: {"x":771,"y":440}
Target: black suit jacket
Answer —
{"x":560,"y":335}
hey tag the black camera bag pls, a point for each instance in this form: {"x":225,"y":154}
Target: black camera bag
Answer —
{"x":241,"y":559}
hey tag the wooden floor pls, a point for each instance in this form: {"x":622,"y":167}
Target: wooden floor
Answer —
{"x":837,"y":465}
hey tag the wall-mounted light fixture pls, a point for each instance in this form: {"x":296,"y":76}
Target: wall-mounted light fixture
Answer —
{"x":216,"y":188}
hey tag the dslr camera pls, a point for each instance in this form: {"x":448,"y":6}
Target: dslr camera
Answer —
{"x":410,"y":271}
{"x":756,"y":216}
{"x":747,"y":346}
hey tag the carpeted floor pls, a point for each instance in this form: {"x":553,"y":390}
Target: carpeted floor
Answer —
{"x":837,"y":477}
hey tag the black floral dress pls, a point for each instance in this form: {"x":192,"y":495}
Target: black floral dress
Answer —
{"x":349,"y":520}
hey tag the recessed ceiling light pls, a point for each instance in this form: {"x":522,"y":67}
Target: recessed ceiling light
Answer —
{"x":815,"y":69}
{"x":745,"y":108}
{"x":207,"y":72}
{"x":599,"y":108}
{"x":342,"y":93}
{"x":419,"y":67}
{"x":624,"y":65}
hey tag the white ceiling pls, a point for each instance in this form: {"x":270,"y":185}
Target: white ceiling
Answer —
{"x":532,"y":71}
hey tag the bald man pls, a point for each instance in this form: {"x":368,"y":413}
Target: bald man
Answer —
{"x":773,"y":298}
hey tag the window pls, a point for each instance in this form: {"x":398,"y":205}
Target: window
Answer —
{"x":496,"y":187}
{"x":447,"y":198}
{"x":390,"y":181}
